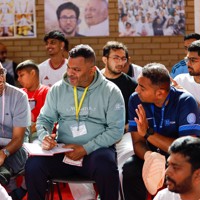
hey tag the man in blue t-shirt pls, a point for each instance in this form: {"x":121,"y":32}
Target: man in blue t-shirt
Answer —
{"x":158,"y":114}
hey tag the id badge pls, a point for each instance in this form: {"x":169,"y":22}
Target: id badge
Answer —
{"x":78,"y":129}
{"x":32,"y":103}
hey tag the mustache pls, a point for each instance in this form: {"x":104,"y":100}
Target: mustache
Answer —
{"x":122,"y":66}
{"x":169,"y":179}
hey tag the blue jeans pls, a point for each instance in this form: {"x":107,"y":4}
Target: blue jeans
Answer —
{"x":100,"y":166}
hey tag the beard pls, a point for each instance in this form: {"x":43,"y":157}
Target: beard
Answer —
{"x":115,"y":72}
{"x":183,"y":187}
{"x":68,"y":32}
{"x":192,"y":72}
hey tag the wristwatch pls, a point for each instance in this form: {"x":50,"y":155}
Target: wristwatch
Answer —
{"x":6,"y":152}
{"x":149,"y":132}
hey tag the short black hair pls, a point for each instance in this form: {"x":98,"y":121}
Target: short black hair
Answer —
{"x":158,"y":75}
{"x":83,"y":50}
{"x":55,"y":34}
{"x":189,"y":147}
{"x":70,"y":6}
{"x":113,"y":45}
{"x":192,"y":36}
{"x":195,"y":47}
{"x":27,"y":64}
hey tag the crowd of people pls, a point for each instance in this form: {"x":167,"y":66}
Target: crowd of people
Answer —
{"x":148,"y":18}
{"x":113,"y":119}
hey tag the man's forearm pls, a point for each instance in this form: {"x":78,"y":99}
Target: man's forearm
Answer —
{"x":160,"y":141}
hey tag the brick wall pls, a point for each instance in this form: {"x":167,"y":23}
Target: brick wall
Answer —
{"x":167,"y":50}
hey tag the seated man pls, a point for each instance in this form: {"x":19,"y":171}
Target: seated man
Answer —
{"x":191,"y":80}
{"x":183,"y":170}
{"x":114,"y":58}
{"x":158,"y":114}
{"x":15,"y":117}
{"x":91,"y":116}
{"x":28,"y":77}
{"x":181,"y":67}
{"x":131,"y":69}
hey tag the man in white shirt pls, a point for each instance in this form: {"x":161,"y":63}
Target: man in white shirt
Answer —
{"x":52,"y":69}
{"x":181,"y":67}
{"x":183,"y":171}
{"x":191,"y":80}
{"x":131,"y":69}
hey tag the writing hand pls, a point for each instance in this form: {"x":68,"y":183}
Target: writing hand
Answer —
{"x":49,"y":142}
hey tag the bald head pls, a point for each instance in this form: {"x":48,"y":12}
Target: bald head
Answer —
{"x":96,"y":11}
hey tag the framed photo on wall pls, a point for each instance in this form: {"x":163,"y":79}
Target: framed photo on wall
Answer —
{"x":151,"y":17}
{"x":17,"y":19}
{"x":78,"y":17}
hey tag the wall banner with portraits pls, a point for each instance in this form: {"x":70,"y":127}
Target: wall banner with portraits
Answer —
{"x":151,"y":17}
{"x":197,"y":15}
{"x":77,"y":18}
{"x":17,"y":19}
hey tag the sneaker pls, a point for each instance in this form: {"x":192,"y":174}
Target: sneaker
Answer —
{"x":5,"y":175}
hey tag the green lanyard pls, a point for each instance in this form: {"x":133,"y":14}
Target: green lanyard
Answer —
{"x":78,"y":107}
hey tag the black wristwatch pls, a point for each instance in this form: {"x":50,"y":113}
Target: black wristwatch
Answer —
{"x":149,"y":132}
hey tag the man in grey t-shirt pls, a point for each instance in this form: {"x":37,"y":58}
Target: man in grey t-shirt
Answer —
{"x":15,"y":117}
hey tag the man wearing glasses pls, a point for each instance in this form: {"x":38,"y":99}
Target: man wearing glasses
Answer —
{"x":191,"y":80}
{"x":114,"y":58}
{"x":68,"y":19}
{"x":14,"y":118}
{"x":181,"y":66}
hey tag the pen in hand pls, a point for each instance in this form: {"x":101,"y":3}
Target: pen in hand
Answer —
{"x":49,"y":141}
{"x":53,"y":135}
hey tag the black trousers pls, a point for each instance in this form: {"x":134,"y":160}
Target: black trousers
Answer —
{"x":100,"y":166}
{"x":133,"y":185}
